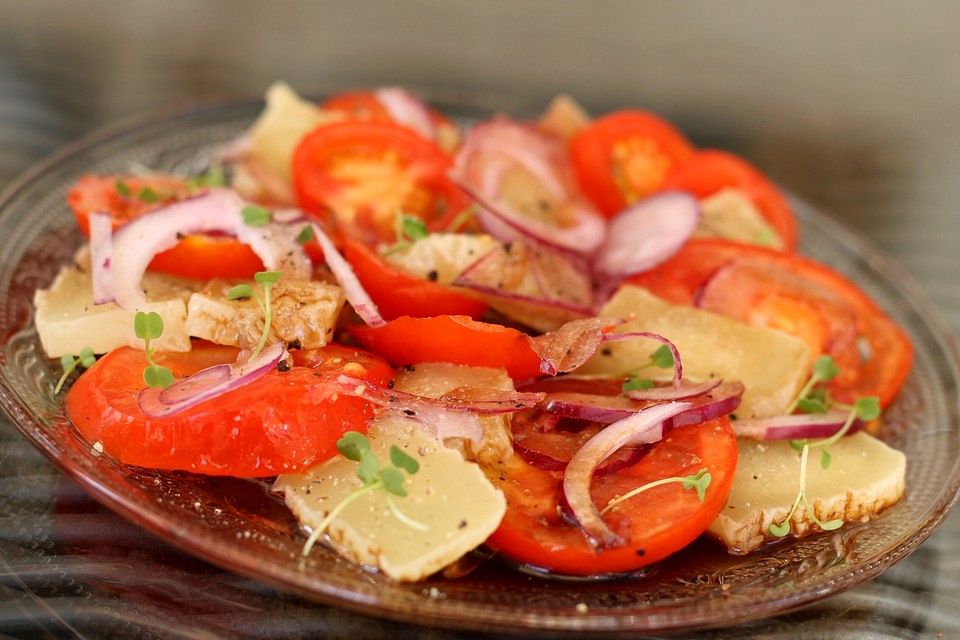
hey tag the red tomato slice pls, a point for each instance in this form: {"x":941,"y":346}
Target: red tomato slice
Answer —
{"x":706,"y":172}
{"x":784,"y":291}
{"x":363,"y":105}
{"x":453,"y":339}
{"x":281,"y":422}
{"x":365,"y":172}
{"x":196,"y":256}
{"x":624,"y":157}
{"x":656,"y":523}
{"x":399,"y":294}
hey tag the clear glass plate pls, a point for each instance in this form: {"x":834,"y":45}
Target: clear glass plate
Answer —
{"x":237,"y":525}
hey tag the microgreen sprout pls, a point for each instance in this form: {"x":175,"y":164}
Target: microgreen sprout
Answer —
{"x":409,"y":229}
{"x":305,"y":235}
{"x":462,"y":218}
{"x":781,"y":529}
{"x":70,"y":364}
{"x":662,"y":358}
{"x":213,"y":177}
{"x":266,"y":280}
{"x":148,"y":195}
{"x":123,"y":189}
{"x":698,"y":481}
{"x":810,"y":396}
{"x":256,"y":216}
{"x":147,"y":327}
{"x":391,"y":479}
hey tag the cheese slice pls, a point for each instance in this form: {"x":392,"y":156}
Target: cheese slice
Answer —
{"x":450,"y":496}
{"x":771,"y":365}
{"x":865,"y":477}
{"x":730,"y":214}
{"x":67,"y":320}
{"x":441,"y":257}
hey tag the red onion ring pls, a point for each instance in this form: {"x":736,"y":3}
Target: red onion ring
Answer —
{"x":101,"y":255}
{"x":644,"y":427}
{"x":647,"y":335}
{"x":682,"y":392}
{"x":404,"y":108}
{"x":208,"y":383}
{"x":135,"y":244}
{"x":645,"y":234}
{"x":356,"y":295}
{"x":794,"y":427}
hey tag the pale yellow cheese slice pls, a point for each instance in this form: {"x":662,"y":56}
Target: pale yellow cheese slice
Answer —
{"x":771,"y":365}
{"x":730,"y":214}
{"x":865,"y":476}
{"x":442,"y":257}
{"x":451,"y":497}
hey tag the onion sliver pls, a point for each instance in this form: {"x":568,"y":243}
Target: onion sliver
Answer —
{"x":682,"y":392}
{"x":643,"y":427}
{"x":645,"y":234}
{"x":648,"y":335}
{"x":208,"y":383}
{"x":794,"y":427}
{"x":101,"y":256}
{"x":356,"y":295}
{"x":404,"y":108}
{"x":135,"y":244}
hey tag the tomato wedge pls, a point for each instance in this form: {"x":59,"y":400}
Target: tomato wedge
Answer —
{"x":364,"y":172}
{"x":400,"y":294}
{"x":195,"y":256}
{"x":797,"y":295}
{"x":708,"y":171}
{"x":624,"y":156}
{"x":655,"y":524}
{"x":453,"y":339}
{"x":282,"y":422}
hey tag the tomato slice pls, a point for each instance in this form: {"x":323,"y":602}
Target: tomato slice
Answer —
{"x":364,"y":172}
{"x":364,"y":105}
{"x":706,"y":172}
{"x":453,"y":339}
{"x":195,"y":256}
{"x":655,"y":524}
{"x":400,"y":294}
{"x":790,"y":293}
{"x":624,"y":156}
{"x":278,"y":423}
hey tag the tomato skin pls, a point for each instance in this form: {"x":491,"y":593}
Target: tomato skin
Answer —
{"x":708,"y":171}
{"x":655,"y":524}
{"x":453,"y":339}
{"x":411,"y":175}
{"x":195,"y":256}
{"x":798,"y":295}
{"x":364,"y":105}
{"x":624,"y":156}
{"x":282,"y":422}
{"x":400,"y":294}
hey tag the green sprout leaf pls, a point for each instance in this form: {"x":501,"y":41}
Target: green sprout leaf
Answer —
{"x":352,"y":444}
{"x":779,"y":530}
{"x":87,"y":358}
{"x":698,"y":481}
{"x":305,"y":235}
{"x":240,"y":292}
{"x":662,"y":358}
{"x":255,"y":216}
{"x":148,"y":326}
{"x":157,"y":376}
{"x":811,"y":405}
{"x":368,"y":467}
{"x":825,"y":459}
{"x":825,"y":369}
{"x":68,"y":363}
{"x":214,"y":177}
{"x":401,"y":459}
{"x":414,"y":228}
{"x":267,"y":277}
{"x":830,"y":525}
{"x":633,"y":384}
{"x":123,"y":189}
{"x":393,"y":481}
{"x":148,"y":195}
{"x":867,"y":408}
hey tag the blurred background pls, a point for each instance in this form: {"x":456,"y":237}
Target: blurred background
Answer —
{"x":854,"y":106}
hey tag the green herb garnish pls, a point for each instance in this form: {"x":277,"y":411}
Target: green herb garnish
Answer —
{"x":256,"y":216}
{"x":391,"y":479}
{"x":698,"y":481}
{"x":824,"y":370}
{"x":147,"y":327}
{"x":662,"y":358}
{"x":305,"y":235}
{"x":148,"y":195}
{"x":213,"y":177}
{"x":123,"y":189}
{"x":86,"y":359}
{"x":266,"y":280}
{"x":409,"y":229}
{"x":779,"y":530}
{"x":633,"y":384}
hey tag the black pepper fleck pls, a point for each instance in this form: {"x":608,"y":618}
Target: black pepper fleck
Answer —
{"x":295,"y":345}
{"x":432,"y":275}
{"x":283,"y":366}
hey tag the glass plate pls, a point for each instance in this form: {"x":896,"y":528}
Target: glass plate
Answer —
{"x":237,"y":525}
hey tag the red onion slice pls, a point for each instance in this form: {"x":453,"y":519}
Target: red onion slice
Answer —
{"x":404,"y":108}
{"x":101,"y":255}
{"x":682,"y":392}
{"x":794,"y":427}
{"x":645,"y":234}
{"x":647,"y":335}
{"x":217,"y":210}
{"x":356,"y":295}
{"x":644,"y":427}
{"x":208,"y":383}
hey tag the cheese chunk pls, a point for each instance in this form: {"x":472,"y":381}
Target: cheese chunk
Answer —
{"x":865,"y":477}
{"x":732,"y":215}
{"x":442,"y":257}
{"x":67,"y":320}
{"x":450,"y":496}
{"x":304,"y":311}
{"x":771,"y":365}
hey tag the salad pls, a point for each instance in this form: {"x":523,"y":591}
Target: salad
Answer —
{"x":579,"y":343}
